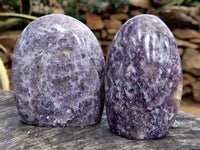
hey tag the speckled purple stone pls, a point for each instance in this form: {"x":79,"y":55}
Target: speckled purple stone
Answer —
{"x":58,"y":73}
{"x":143,"y":79}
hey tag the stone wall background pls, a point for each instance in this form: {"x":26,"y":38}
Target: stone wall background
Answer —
{"x":183,"y":21}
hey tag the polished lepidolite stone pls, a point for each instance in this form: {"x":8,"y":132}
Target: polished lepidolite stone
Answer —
{"x":143,"y":79}
{"x":58,"y":73}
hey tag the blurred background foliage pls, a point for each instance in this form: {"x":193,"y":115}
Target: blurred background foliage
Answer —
{"x":4,"y":81}
{"x":195,"y":3}
{"x":15,"y":19}
{"x":15,"y":15}
{"x":71,"y":7}
{"x":98,"y":6}
{"x":75,"y":8}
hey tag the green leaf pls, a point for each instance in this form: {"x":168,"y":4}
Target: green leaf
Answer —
{"x":26,"y":6}
{"x":195,"y":4}
{"x":13,"y":23}
{"x":171,"y":3}
{"x":4,"y":81}
{"x":17,"y":15}
{"x":73,"y":10}
{"x":180,"y":2}
{"x":9,"y":54}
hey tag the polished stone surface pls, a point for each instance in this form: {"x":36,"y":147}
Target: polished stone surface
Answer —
{"x":58,"y":73}
{"x":143,"y":79}
{"x":17,"y":136}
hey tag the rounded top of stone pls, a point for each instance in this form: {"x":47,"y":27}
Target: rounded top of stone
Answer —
{"x":46,"y":31}
{"x":57,"y":23}
{"x":54,"y":17}
{"x":148,"y":23}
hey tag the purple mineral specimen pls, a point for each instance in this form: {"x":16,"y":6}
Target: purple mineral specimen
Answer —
{"x":58,"y":73}
{"x":143,"y":79}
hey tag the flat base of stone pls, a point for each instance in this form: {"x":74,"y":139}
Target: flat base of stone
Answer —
{"x":91,"y":124}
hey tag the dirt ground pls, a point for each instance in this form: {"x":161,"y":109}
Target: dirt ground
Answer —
{"x":190,"y":106}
